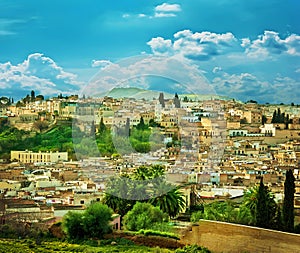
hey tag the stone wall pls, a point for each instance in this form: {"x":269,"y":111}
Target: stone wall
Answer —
{"x":226,"y":237}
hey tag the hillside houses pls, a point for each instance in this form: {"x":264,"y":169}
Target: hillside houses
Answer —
{"x":213,"y":144}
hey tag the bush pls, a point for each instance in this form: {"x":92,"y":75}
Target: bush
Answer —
{"x":193,"y":249}
{"x":196,"y":216}
{"x":94,"y":222}
{"x":143,"y":216}
{"x":158,"y":233}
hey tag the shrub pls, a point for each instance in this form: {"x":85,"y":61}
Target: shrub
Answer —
{"x":193,"y":249}
{"x":143,"y":216}
{"x":93,"y":222}
{"x":196,"y":216}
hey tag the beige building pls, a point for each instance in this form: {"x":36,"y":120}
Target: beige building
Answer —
{"x":38,"y":157}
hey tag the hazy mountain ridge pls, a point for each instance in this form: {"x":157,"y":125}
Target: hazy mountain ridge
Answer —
{"x":139,"y":93}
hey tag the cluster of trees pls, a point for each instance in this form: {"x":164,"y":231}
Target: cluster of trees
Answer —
{"x":146,"y":184}
{"x":143,"y":199}
{"x":5,"y":101}
{"x":279,"y":117}
{"x":124,"y":140}
{"x":258,"y":208}
{"x":57,"y":139}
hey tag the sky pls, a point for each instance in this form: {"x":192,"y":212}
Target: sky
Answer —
{"x":241,"y":49}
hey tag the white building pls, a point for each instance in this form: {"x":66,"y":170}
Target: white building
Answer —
{"x":38,"y":157}
{"x":268,"y":130}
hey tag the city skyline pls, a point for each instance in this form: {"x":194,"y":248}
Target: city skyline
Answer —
{"x":246,"y":50}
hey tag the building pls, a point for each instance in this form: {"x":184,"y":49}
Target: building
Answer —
{"x":38,"y":157}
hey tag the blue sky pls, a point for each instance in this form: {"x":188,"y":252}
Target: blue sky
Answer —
{"x":245,"y":49}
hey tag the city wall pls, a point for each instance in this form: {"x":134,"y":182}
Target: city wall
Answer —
{"x":226,"y":237}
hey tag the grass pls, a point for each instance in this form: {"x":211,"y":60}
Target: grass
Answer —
{"x":103,"y":246}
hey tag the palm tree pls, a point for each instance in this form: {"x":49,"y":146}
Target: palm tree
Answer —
{"x":171,"y":202}
{"x":260,"y":201}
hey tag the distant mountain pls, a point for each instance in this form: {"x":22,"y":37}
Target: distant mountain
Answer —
{"x":136,"y":93}
{"x":139,"y":93}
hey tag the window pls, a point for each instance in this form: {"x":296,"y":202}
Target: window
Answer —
{"x":81,"y":202}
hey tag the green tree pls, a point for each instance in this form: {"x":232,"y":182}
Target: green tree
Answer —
{"x":261,"y":204}
{"x":102,"y":127}
{"x":141,"y":125}
{"x":73,"y":225}
{"x":96,"y":220}
{"x":243,"y":121}
{"x":143,"y":216}
{"x":278,"y":224}
{"x":263,"y":119}
{"x":288,"y":202}
{"x":265,"y":208}
{"x":168,"y":198}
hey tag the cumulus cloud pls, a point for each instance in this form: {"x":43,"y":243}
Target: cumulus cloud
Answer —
{"x":40,"y":73}
{"x":196,"y":46}
{"x":165,"y":7}
{"x":160,"y":46}
{"x":270,"y":44}
{"x":166,"y":10}
{"x":253,"y":63}
{"x":246,"y":86}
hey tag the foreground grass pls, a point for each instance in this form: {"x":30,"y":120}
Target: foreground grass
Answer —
{"x":30,"y":246}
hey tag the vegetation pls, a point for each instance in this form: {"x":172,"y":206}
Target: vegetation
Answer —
{"x":288,"y":202}
{"x":224,"y":211}
{"x":58,"y":138}
{"x":145,"y":184}
{"x":94,"y":222}
{"x":258,"y":208}
{"x":143,"y":216}
{"x":104,"y":246}
{"x":279,"y":117}
{"x":193,"y":249}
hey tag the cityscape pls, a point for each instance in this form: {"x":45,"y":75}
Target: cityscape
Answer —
{"x":212,"y":151}
{"x":150,"y":126}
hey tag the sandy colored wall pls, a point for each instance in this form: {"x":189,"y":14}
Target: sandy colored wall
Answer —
{"x":225,"y":237}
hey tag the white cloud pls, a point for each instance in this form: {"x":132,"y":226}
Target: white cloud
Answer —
{"x":40,"y":73}
{"x":164,"y":15}
{"x":166,"y":10}
{"x":165,"y":7}
{"x":160,"y":46}
{"x":101,"y":63}
{"x":271,"y":45}
{"x":196,"y":46}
